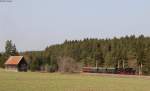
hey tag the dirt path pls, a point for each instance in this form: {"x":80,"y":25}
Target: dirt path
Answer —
{"x":116,"y":75}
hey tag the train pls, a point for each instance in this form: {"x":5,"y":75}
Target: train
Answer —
{"x":126,"y":71}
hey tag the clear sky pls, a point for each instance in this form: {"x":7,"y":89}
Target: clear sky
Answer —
{"x":35,"y":24}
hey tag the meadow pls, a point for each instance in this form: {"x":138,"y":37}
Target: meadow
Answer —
{"x":35,"y":81}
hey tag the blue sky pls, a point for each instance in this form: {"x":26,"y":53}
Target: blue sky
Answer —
{"x":35,"y":24}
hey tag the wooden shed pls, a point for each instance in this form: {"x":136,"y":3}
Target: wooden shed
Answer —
{"x":16,"y":63}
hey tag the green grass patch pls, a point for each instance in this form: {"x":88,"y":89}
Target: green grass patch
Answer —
{"x":34,"y":81}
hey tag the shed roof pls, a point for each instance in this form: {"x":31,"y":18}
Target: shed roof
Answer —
{"x":13,"y":60}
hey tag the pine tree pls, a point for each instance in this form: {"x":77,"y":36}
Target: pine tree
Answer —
{"x":10,"y":49}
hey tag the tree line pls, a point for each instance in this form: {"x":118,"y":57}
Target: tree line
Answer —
{"x":123,"y":52}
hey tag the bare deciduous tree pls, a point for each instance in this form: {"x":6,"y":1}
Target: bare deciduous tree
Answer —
{"x":68,"y":65}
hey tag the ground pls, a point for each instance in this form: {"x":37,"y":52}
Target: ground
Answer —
{"x":35,"y":81}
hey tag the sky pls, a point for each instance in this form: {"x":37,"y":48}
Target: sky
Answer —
{"x":36,"y":24}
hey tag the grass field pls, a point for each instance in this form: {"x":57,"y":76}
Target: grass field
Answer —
{"x":34,"y":81}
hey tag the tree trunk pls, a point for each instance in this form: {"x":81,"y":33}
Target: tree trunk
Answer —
{"x":140,"y":69}
{"x":96,"y":64}
{"x":123,"y":64}
{"x":118,"y":64}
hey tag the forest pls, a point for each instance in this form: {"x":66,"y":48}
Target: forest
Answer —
{"x":70,"y":56}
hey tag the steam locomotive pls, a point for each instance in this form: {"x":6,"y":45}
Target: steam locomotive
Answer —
{"x":127,"y":71}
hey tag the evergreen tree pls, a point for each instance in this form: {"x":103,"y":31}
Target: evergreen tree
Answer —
{"x":10,"y":49}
